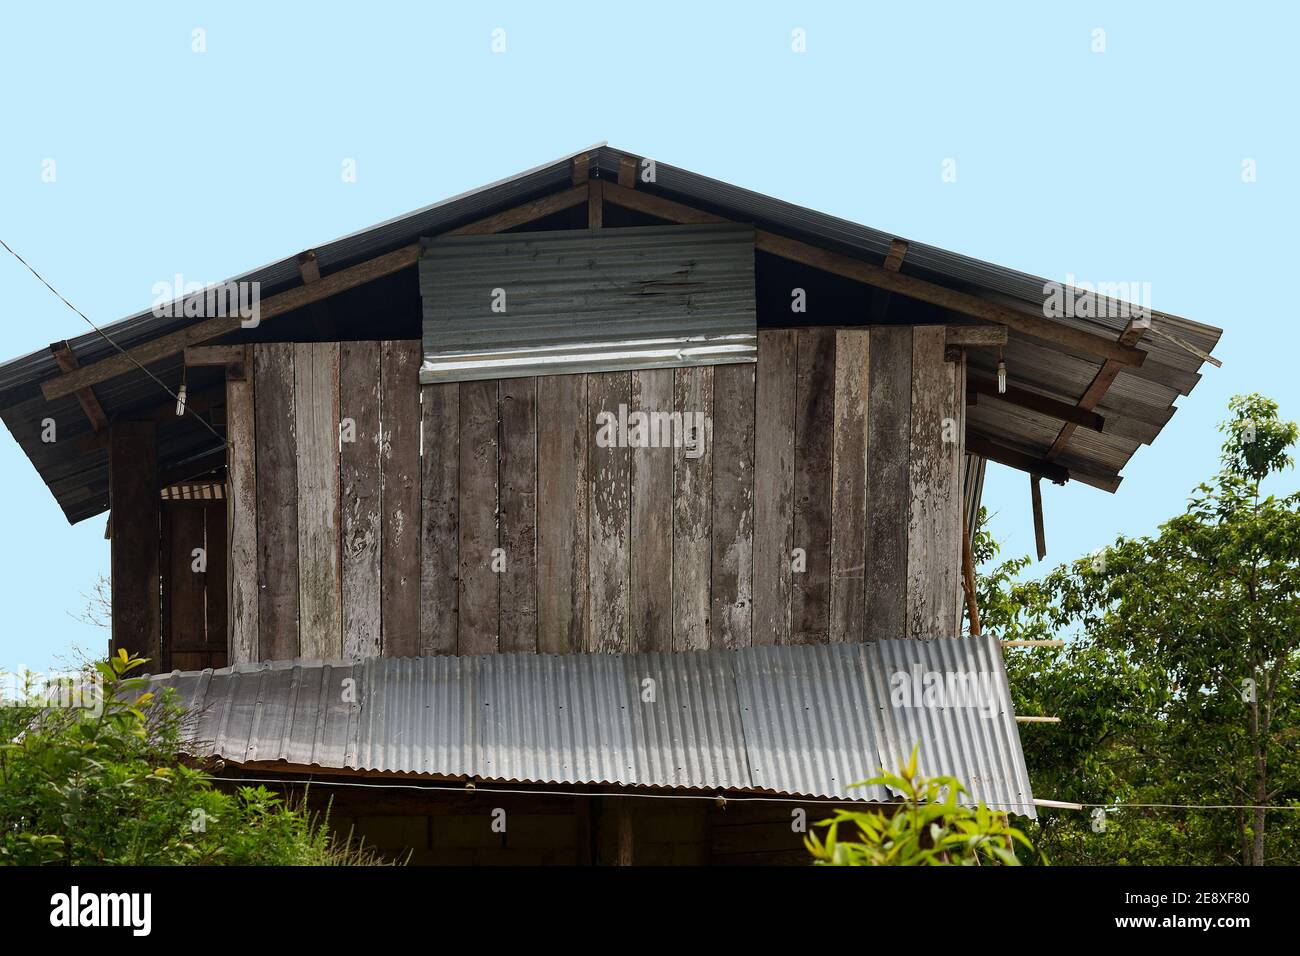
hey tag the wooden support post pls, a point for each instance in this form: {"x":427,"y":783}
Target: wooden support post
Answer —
{"x":1040,"y":539}
{"x":595,"y":205}
{"x":623,"y":811}
{"x":133,"y":496}
{"x":241,"y":516}
{"x":1038,"y":720}
{"x":968,"y":579}
{"x":1029,"y":643}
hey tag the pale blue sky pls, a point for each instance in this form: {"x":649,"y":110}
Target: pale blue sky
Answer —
{"x":1124,"y":165}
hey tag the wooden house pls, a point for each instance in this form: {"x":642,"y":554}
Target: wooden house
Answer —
{"x":608,"y":496}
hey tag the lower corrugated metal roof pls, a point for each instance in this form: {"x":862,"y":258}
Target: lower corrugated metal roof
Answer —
{"x":803,"y":720}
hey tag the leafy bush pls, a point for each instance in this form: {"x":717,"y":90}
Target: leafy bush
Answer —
{"x":929,"y":828}
{"x":104,"y":786}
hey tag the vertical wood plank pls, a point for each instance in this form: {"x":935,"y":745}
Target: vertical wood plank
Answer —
{"x":692,"y":508}
{"x":183,"y":591}
{"x":814,"y":444}
{"x":651,"y":543}
{"x":359,"y":454}
{"x":316,"y":405}
{"x":134,"y":550}
{"x":519,"y":514}
{"x":889,"y":411}
{"x":479,"y":585}
{"x":562,"y":514}
{"x":958,"y":457}
{"x":849,"y":481}
{"x":214,"y":583}
{"x":242,"y":499}
{"x":277,"y":503}
{"x":439,"y":518}
{"x":399,"y":475}
{"x":773,"y":484}
{"x":933,"y":556}
{"x":732,"y":585}
{"x":610,"y":472}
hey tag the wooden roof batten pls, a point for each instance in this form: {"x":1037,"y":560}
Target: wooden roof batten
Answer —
{"x":594,"y":192}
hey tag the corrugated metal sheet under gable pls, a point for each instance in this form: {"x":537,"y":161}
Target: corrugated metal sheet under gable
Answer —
{"x":800,"y":720}
{"x":587,"y":300}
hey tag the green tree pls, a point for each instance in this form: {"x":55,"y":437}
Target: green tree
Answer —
{"x":1178,"y":682}
{"x":102,"y":785}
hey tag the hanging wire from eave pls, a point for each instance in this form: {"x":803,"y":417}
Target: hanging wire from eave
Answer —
{"x":105,"y":336}
{"x":714,"y":797}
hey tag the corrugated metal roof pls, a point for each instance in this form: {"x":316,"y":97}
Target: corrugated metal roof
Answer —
{"x":587,"y":300}
{"x":76,"y":475}
{"x":801,"y":720}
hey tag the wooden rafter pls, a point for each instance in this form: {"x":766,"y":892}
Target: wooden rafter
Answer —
{"x":581,"y":168}
{"x":627,"y":172}
{"x":883,"y":278}
{"x":880,"y":297}
{"x":62,"y":353}
{"x":1023,"y":398}
{"x":299,"y":296}
{"x":979,"y":445}
{"x":1100,"y":384}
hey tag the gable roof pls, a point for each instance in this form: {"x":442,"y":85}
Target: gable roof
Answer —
{"x":1135,"y":406}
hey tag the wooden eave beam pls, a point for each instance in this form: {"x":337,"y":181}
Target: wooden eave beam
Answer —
{"x":976,"y":336}
{"x":883,"y":278}
{"x":201,"y":355}
{"x":62,"y":353}
{"x":1053,"y":472}
{"x":299,"y":296}
{"x":1066,"y":412}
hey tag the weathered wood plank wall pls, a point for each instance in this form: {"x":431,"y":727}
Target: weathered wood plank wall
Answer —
{"x":193,"y":566}
{"x":812,"y":497}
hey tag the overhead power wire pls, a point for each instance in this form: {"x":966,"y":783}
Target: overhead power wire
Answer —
{"x":105,"y":336}
{"x":714,"y":797}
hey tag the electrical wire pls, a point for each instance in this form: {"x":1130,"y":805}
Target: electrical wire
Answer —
{"x":713,"y":797}
{"x":104,"y":335}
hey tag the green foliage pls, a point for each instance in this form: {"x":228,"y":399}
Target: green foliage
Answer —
{"x":103,"y":786}
{"x":929,"y":828}
{"x":1178,"y":681}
